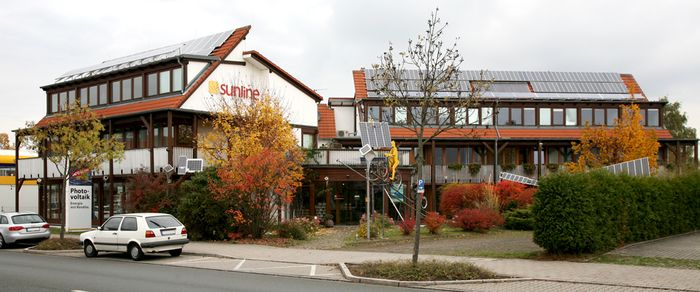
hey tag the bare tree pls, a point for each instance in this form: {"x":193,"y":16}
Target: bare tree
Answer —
{"x":423,"y":83}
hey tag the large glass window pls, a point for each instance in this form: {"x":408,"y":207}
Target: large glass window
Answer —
{"x":307,"y":141}
{"x":431,"y":116}
{"x":93,"y":95}
{"x":416,"y":116}
{"x":177,"y":79}
{"x":143,"y":138}
{"x":451,"y":155}
{"x":558,"y":116}
{"x":437,"y":156}
{"x":643,"y":113}
{"x":486,"y":116}
{"x":103,"y":93}
{"x":553,"y":155}
{"x":71,"y":97}
{"x":129,"y":140}
{"x":612,"y":116}
{"x":373,"y":114}
{"x":503,"y":116}
{"x":460,"y":116}
{"x":387,"y":115}
{"x":400,"y":115}
{"x":164,"y":84}
{"x":84,"y":96}
{"x":586,"y":116}
{"x":653,"y":117}
{"x":599,"y":117}
{"x":571,"y":117}
{"x":443,"y":116}
{"x":516,"y":116}
{"x":138,"y":87}
{"x":473,"y":114}
{"x":116,"y":91}
{"x":54,"y":102}
{"x":185,"y":135}
{"x":152,"y":84}
{"x":126,"y":89}
{"x":62,"y":101}
{"x":545,"y":116}
{"x":529,"y":116}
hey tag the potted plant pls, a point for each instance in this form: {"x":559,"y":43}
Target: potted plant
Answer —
{"x":474,"y":168}
{"x":455,"y":166}
{"x":508,"y":166}
{"x":328,"y":220}
{"x":529,"y":168}
{"x":553,"y":167}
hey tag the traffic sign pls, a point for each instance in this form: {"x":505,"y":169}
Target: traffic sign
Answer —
{"x":421,"y":186}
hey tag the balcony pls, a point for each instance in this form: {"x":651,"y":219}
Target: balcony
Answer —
{"x":445,"y":174}
{"x":334,"y":157}
{"x":134,"y":160}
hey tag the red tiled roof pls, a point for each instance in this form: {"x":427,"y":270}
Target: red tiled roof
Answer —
{"x":298,"y":84}
{"x":507,"y":133}
{"x":358,"y":77}
{"x":326,"y":123}
{"x":632,"y":85}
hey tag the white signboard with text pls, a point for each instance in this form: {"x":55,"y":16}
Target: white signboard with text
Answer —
{"x":79,"y":206}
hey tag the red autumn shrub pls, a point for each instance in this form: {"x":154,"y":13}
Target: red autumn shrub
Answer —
{"x":455,"y":197}
{"x":507,"y":192}
{"x":526,"y":197}
{"x":477,"y":219}
{"x":407,"y":226}
{"x":434,"y":222}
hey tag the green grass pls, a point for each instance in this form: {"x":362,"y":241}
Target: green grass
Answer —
{"x":647,"y":261}
{"x":423,"y":271}
{"x":393,"y":235}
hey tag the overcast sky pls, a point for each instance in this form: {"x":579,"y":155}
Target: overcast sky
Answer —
{"x":321,"y":42}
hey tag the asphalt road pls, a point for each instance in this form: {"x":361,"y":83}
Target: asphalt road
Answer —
{"x":31,"y":272}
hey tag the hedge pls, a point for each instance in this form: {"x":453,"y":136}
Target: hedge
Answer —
{"x":599,"y":211}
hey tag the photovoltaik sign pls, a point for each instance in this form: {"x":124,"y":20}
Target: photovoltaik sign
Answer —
{"x":216,"y":88}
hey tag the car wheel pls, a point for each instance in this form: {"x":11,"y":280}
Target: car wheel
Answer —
{"x":2,"y":242}
{"x":176,"y":252}
{"x":89,"y":249}
{"x":135,"y":252}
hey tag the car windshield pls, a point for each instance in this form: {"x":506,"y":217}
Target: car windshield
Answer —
{"x":165,"y":221}
{"x":27,"y":219}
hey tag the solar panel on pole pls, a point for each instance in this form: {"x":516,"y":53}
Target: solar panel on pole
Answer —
{"x":375,"y":134}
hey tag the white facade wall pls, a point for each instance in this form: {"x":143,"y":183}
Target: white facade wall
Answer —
{"x":194,"y":68}
{"x":344,"y":118}
{"x":28,"y":198}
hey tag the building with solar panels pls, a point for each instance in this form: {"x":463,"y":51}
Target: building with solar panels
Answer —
{"x":534,"y":116}
{"x":156,"y":102}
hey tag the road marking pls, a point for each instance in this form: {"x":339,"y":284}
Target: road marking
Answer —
{"x":204,"y":259}
{"x":313,"y":270}
{"x":277,"y":267}
{"x":238,"y":266}
{"x":78,"y":291}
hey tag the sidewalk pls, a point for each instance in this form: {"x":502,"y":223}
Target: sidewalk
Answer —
{"x":589,"y":273}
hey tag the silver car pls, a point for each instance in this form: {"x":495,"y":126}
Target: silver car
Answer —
{"x":22,"y":227}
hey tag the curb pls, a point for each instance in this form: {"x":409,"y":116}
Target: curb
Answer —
{"x":36,"y":251}
{"x":396,"y":283}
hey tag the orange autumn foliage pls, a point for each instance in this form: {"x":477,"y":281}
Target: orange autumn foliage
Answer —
{"x":627,"y":140}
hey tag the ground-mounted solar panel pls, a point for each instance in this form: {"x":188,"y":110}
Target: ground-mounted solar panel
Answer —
{"x":518,"y":178}
{"x":637,"y":167}
{"x":376,"y":134}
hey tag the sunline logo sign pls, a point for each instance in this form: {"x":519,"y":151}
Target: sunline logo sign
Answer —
{"x":233,"y":90}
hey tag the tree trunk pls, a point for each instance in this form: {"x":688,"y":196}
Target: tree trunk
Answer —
{"x":64,"y":212}
{"x":419,"y":173}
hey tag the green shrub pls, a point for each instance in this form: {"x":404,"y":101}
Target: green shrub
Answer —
{"x":373,"y":229}
{"x":425,"y":270}
{"x":289,"y":229}
{"x":599,"y":211}
{"x":519,"y":219}
{"x":204,"y":217}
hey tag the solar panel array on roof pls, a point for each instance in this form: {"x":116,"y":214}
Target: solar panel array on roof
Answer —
{"x":516,"y":82}
{"x":376,"y":134}
{"x":202,"y":46}
{"x":637,"y":167}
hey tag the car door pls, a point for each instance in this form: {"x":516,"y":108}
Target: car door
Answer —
{"x":3,"y":225}
{"x":106,"y":239}
{"x":128,"y":231}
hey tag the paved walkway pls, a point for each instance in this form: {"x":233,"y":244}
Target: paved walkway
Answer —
{"x":595,"y":274}
{"x":686,"y":246}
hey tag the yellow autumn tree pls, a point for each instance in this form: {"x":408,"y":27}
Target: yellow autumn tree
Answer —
{"x":257,"y":158}
{"x":627,"y":140}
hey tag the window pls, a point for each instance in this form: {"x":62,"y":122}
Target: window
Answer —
{"x":653,"y":117}
{"x":400,"y":115}
{"x":129,"y":224}
{"x":307,"y":141}
{"x":71,"y":98}
{"x":416,"y":116}
{"x":152,"y":84}
{"x":460,"y":116}
{"x":54,"y":102}
{"x":3,"y":220}
{"x":116,"y":91}
{"x":62,"y":101}
{"x":177,"y":79}
{"x":516,"y":116}
{"x":103,"y":93}
{"x":558,"y":116}
{"x":553,"y":155}
{"x":138,"y":87}
{"x":129,"y":140}
{"x":373,"y":114}
{"x":451,"y":155}
{"x":486,"y":116}
{"x":185,"y":135}
{"x":529,"y":117}
{"x":599,"y":117}
{"x":437,"y":156}
{"x":643,"y":120}
{"x":387,"y":115}
{"x":112,"y":224}
{"x":143,"y":138}
{"x":503,"y":116}
{"x":27,"y":219}
{"x":443,"y":116}
{"x":586,"y":116}
{"x":163,"y":221}
{"x":93,"y":95}
{"x":473,"y":116}
{"x":164,"y":83}
{"x":612,"y":116}
{"x":431,"y":116}
{"x":545,"y":116}
{"x":571,"y":117}
{"x":84,"y":96}
{"x":126,"y":89}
